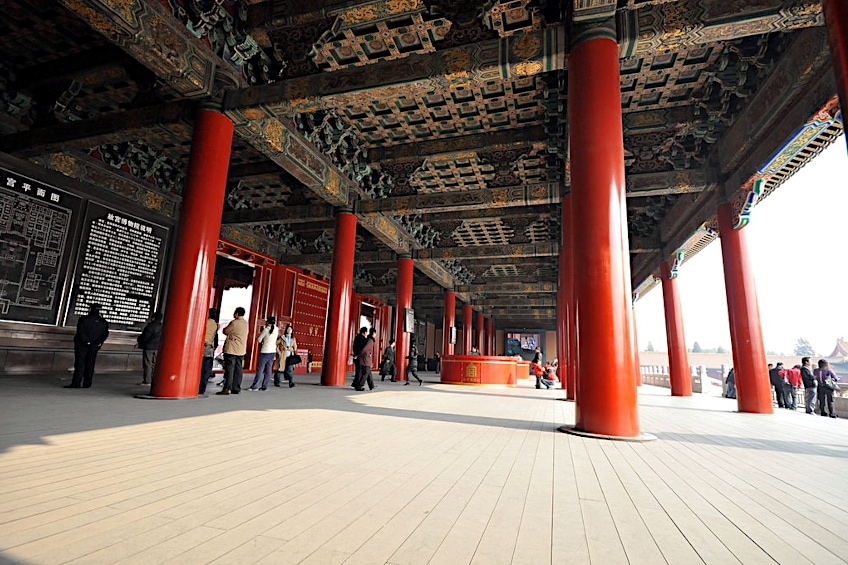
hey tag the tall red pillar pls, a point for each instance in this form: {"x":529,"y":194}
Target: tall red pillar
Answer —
{"x":490,"y":338}
{"x":836,"y":21}
{"x":178,"y":365}
{"x":467,"y":331}
{"x":567,"y":275}
{"x":404,"y":300}
{"x":337,"y":341}
{"x":217,"y":292}
{"x":481,"y":332}
{"x":606,"y":401}
{"x":257,"y":313}
{"x":678,"y":358}
{"x":561,"y":317}
{"x":753,"y":390}
{"x":450,"y":322}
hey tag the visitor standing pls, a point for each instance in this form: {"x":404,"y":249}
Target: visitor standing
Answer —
{"x":92,"y":331}
{"x":235,"y":349}
{"x":267,"y":352}
{"x":824,"y":376}
{"x":358,"y":343}
{"x":388,"y":368}
{"x":776,"y":381}
{"x":210,"y":344}
{"x":810,"y":385}
{"x":366,"y":361}
{"x":286,"y":349}
{"x":731,"y":384}
{"x":412,"y":365}
{"x":791,"y":384}
{"x":148,"y":342}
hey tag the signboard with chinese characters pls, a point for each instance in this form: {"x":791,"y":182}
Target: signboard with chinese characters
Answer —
{"x":120,"y":265}
{"x":36,"y":231}
{"x":309,"y":315}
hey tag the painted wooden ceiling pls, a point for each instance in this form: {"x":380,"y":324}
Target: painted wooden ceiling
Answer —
{"x":443,"y":125}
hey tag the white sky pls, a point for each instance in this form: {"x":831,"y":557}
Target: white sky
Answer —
{"x":797,"y":239}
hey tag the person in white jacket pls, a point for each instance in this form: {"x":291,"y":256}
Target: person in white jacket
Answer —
{"x":267,"y":352}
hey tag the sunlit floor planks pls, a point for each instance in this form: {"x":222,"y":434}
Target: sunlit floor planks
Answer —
{"x":408,"y":475}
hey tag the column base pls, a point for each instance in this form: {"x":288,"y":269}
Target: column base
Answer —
{"x":641,"y":438}
{"x":150,"y":397}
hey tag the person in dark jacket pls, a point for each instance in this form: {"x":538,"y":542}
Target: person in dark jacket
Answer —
{"x":776,"y":381}
{"x":358,"y":343}
{"x":148,"y":342}
{"x":366,"y":361}
{"x":731,"y":384}
{"x":412,"y":365}
{"x":92,"y":331}
{"x":388,"y":368}
{"x":810,"y":385}
{"x":538,"y":358}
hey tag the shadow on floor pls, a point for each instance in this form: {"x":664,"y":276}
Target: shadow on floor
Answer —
{"x":36,"y":407}
{"x":33,"y":408}
{"x":780,"y":446}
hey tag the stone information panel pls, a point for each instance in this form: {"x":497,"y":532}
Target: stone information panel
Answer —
{"x":119,"y":267}
{"x":36,"y":228}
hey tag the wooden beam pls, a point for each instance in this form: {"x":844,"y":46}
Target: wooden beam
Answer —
{"x":670,"y":182}
{"x":548,"y":249}
{"x":247,"y":170}
{"x":489,"y":199}
{"x":305,"y":213}
{"x":362,"y":258}
{"x":535,"y":301}
{"x":116,"y":127}
{"x":530,"y":211}
{"x":490,"y":141}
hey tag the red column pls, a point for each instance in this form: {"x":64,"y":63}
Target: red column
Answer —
{"x":562,"y":319}
{"x":178,"y":365}
{"x":450,"y":322}
{"x":753,"y":391}
{"x":490,"y":335}
{"x":404,"y":301}
{"x":481,"y":333}
{"x":258,"y":311}
{"x":336,"y":342}
{"x":606,"y":401}
{"x":678,"y":358}
{"x":836,"y":20}
{"x":567,"y":275}
{"x":467,"y":330}
{"x":217,"y":292}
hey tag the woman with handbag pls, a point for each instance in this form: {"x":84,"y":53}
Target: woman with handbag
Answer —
{"x":826,"y":380}
{"x":287,"y":357}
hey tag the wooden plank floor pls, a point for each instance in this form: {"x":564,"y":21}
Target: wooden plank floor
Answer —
{"x":408,"y":475}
